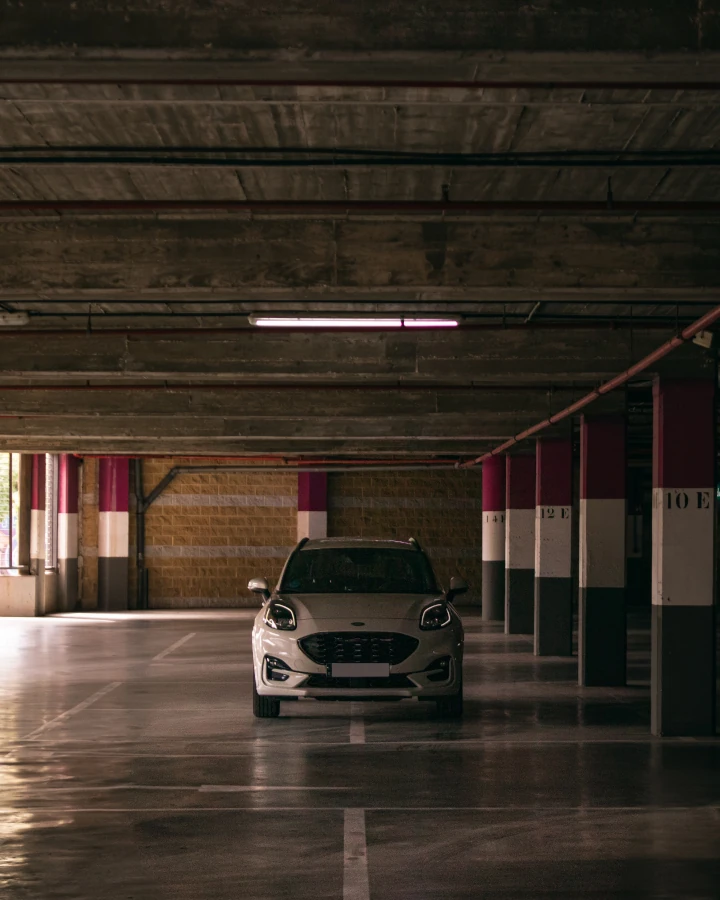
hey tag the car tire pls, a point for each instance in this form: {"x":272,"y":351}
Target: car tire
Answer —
{"x":451,"y":707}
{"x":264,"y":707}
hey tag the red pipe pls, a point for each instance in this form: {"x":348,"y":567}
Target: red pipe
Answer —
{"x":627,"y":85}
{"x":685,"y":335}
{"x":344,"y":207}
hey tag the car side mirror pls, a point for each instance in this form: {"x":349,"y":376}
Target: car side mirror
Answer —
{"x":457,"y":586}
{"x":260,"y":586}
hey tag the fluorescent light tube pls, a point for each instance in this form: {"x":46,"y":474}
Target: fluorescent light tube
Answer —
{"x":270,"y":321}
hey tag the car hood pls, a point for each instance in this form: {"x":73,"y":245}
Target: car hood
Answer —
{"x":351,"y":607}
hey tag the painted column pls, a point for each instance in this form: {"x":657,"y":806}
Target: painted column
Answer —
{"x":493,"y":539}
{"x":683,"y":615}
{"x":113,"y":547}
{"x":520,"y":545}
{"x":67,"y":551}
{"x":553,"y":548}
{"x":602,"y":627}
{"x":37,"y":530}
{"x":312,"y":505}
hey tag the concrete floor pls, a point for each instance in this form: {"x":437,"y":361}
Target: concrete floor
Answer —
{"x":131,"y":768}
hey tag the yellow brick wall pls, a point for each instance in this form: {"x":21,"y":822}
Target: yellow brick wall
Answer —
{"x":442,"y":510}
{"x":210,"y":532}
{"x":88,"y":533}
{"x":205,"y":535}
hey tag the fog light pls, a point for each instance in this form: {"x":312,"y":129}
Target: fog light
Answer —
{"x":439,"y":669}
{"x":273,"y":667}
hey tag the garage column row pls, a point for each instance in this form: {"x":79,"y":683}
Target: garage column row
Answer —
{"x":683,"y":682}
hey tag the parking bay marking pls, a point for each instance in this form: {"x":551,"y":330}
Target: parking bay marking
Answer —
{"x":63,"y":717}
{"x":173,"y":647}
{"x":356,"y":883}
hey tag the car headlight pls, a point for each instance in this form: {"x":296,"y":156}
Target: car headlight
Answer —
{"x":435,"y":616}
{"x":280,"y":617}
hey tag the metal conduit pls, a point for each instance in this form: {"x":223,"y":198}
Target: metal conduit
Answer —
{"x":618,"y":381}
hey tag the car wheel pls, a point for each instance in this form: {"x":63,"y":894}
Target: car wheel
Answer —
{"x":264,"y":707}
{"x":451,"y":707}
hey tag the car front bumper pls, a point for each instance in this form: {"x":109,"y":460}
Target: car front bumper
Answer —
{"x":414,"y":673}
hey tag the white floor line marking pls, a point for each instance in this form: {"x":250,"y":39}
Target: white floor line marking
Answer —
{"x":357,"y":724}
{"x":63,"y":717}
{"x":172,"y":647}
{"x":356,"y":884}
{"x":258,"y":788}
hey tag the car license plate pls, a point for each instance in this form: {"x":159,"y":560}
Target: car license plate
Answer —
{"x":360,"y":670}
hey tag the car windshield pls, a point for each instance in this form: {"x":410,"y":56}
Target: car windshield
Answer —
{"x":358,"y":570}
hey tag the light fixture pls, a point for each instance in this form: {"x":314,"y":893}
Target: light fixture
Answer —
{"x":13,"y":319}
{"x":270,"y":321}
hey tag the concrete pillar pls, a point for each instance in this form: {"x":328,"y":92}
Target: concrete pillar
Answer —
{"x":312,"y":505}
{"x":553,"y":548}
{"x":37,"y":530}
{"x":683,"y":614}
{"x":520,"y":545}
{"x":67,"y":551}
{"x":113,"y":546}
{"x":493,"y":539}
{"x":602,"y":626}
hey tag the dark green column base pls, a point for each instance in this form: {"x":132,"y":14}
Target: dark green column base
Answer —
{"x":553,"y":617}
{"x":519,"y":601}
{"x":602,"y":637}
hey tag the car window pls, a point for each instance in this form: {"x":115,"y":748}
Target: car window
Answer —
{"x":367,"y":570}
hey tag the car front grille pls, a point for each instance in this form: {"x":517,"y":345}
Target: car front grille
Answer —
{"x":326,"y":648}
{"x":326,"y":681}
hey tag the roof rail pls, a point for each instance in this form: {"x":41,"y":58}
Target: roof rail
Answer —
{"x":302,"y":542}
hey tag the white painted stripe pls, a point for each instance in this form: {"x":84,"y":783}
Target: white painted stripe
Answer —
{"x":257,"y":788}
{"x":553,"y":542}
{"x":37,"y":534}
{"x":336,"y":502}
{"x":311,"y":523}
{"x":67,"y":536}
{"x":602,"y":543}
{"x":113,"y":529}
{"x":63,"y":717}
{"x":493,"y":536}
{"x":357,"y":724}
{"x":174,"y":646}
{"x":356,"y":883}
{"x":520,"y":539}
{"x":215,"y":552}
{"x":682,"y":547}
{"x":228,"y":500}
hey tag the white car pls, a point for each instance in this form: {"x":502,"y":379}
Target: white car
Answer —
{"x":357,"y":619}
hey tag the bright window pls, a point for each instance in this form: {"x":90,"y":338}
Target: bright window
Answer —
{"x":9,"y":506}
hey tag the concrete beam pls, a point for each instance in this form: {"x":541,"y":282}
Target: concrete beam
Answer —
{"x":230,"y":253}
{"x":497,"y":356}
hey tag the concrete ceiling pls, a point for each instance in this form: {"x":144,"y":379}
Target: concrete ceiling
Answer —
{"x":549,"y":171}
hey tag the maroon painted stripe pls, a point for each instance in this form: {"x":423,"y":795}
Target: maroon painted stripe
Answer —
{"x":493,"y":484}
{"x":683,"y":433}
{"x":520,"y":482}
{"x":553,"y":472}
{"x":114,"y":483}
{"x":38,"y":481}
{"x":68,"y":467}
{"x":312,"y":491}
{"x":602,"y":458}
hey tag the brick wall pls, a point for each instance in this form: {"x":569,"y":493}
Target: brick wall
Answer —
{"x":210,"y":532}
{"x":441,"y":509}
{"x":88,"y":534}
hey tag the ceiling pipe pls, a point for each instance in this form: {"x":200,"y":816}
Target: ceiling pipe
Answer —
{"x":426,"y":84}
{"x":343,"y":207}
{"x":623,"y":378}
